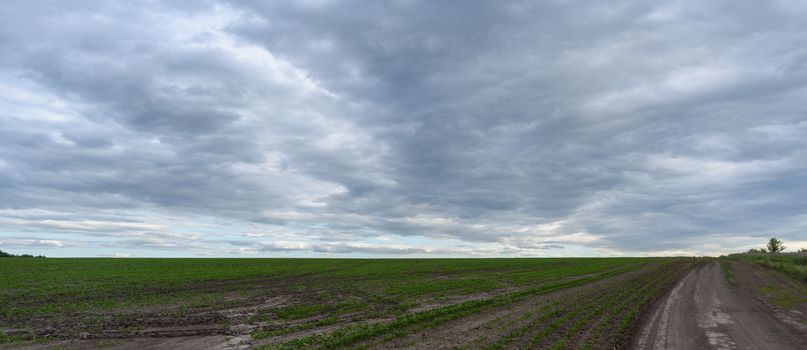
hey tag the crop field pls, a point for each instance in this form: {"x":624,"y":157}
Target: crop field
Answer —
{"x":558,"y":303}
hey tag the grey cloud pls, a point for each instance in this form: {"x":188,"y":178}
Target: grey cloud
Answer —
{"x":631,"y":125}
{"x":519,"y":142}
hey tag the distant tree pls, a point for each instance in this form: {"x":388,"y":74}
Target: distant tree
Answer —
{"x":803,"y":250}
{"x":755,"y":251}
{"x":775,"y":246}
{"x":9,"y":255}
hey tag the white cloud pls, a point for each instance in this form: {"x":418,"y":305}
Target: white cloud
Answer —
{"x":36,"y":243}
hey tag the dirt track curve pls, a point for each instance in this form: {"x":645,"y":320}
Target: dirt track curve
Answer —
{"x":705,"y":311}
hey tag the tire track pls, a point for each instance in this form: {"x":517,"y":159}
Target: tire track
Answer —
{"x":704,"y":312}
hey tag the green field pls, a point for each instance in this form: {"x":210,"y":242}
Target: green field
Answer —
{"x":333,"y":303}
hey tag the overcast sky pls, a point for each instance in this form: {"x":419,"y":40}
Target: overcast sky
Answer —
{"x":402,"y":128}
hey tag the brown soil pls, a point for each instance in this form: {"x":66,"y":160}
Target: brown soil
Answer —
{"x":215,"y":342}
{"x":705,"y":311}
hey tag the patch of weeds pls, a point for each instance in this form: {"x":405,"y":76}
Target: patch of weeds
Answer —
{"x":351,"y":306}
{"x":263,"y":333}
{"x":296,"y":312}
{"x":781,"y":296}
{"x":105,"y":343}
{"x":27,"y":338}
{"x":559,"y":345}
{"x":5,"y":339}
{"x":725,"y":265}
{"x":403,"y":307}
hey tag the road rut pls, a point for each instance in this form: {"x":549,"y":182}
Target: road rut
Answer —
{"x":704,"y":311}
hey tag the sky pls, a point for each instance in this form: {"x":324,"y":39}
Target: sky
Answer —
{"x":316,"y":128}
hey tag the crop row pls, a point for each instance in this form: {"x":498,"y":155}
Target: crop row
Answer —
{"x":369,"y":335}
{"x":570,"y":322}
{"x":579,"y":316}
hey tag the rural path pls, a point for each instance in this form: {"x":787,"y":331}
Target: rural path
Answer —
{"x":705,"y":311}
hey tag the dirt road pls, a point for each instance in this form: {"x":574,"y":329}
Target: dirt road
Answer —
{"x":705,"y":311}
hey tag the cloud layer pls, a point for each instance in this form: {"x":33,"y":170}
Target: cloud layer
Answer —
{"x":402,"y":128}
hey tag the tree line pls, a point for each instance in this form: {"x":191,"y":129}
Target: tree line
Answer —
{"x":9,"y":255}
